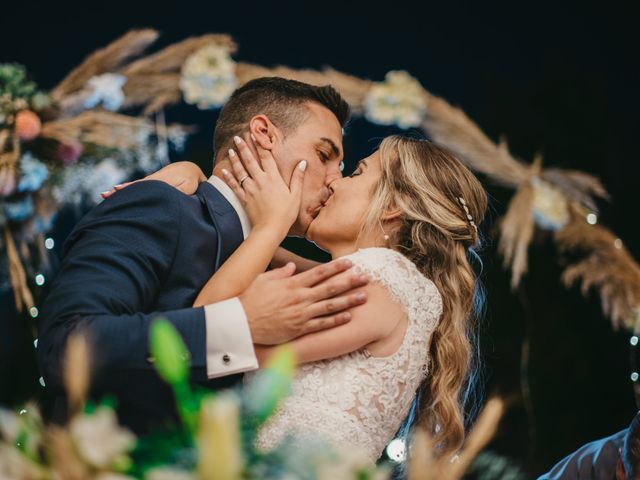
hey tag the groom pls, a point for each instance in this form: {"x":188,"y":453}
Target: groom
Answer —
{"x":148,"y":250}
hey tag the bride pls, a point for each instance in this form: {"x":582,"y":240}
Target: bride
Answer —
{"x":408,"y":218}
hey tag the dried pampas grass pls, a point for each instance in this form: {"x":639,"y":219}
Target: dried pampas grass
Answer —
{"x":154,"y":81}
{"x":107,"y":59}
{"x":424,"y":465}
{"x":353,"y":89}
{"x":106,"y":129}
{"x":607,"y":267}
{"x":21,"y":293}
{"x":516,"y":231}
{"x":577,"y":186}
{"x":451,"y":127}
{"x":77,"y":372}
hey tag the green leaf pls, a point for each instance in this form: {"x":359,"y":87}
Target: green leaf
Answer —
{"x":169,"y":352}
{"x":271,"y":385}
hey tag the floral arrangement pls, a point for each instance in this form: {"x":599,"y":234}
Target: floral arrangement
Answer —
{"x":50,"y":143}
{"x":66,"y":146}
{"x":216,"y":438}
{"x":214,"y":442}
{"x":399,"y":100}
{"x":208,"y":77}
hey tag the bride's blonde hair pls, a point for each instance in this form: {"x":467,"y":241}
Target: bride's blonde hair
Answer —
{"x":426,"y":183}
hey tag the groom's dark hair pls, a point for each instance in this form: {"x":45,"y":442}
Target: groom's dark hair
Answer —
{"x":282,"y":100}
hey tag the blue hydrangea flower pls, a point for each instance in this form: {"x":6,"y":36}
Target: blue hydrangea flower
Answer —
{"x":19,"y":211}
{"x":33,"y":174}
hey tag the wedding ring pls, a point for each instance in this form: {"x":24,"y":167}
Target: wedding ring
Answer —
{"x":243,"y":179}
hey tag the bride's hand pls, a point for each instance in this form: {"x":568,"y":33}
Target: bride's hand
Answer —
{"x":269,"y":202}
{"x":185,"y":176}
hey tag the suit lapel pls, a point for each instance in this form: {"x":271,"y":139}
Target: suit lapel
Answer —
{"x":225,"y":219}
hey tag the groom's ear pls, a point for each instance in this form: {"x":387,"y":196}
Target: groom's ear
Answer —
{"x":266,"y":134}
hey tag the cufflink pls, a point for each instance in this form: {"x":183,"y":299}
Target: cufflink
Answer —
{"x":226,"y":359}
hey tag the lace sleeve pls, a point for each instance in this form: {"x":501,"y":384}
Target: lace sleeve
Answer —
{"x":405,"y":283}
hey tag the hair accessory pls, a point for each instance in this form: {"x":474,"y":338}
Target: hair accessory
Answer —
{"x":469,"y":217}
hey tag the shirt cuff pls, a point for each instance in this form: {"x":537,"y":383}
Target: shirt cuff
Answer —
{"x":229,"y":343}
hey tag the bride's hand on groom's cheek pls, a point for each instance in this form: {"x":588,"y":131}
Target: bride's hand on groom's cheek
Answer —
{"x":269,"y":201}
{"x":185,"y":176}
{"x":281,"y":306}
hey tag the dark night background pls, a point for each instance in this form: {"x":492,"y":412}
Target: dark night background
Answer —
{"x":559,"y":78}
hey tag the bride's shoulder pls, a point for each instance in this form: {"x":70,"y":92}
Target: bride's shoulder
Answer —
{"x":395,"y":271}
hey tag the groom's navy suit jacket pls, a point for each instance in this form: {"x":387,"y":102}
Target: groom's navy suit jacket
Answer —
{"x":144,"y":253}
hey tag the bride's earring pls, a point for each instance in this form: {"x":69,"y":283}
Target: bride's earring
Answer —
{"x":386,"y":237}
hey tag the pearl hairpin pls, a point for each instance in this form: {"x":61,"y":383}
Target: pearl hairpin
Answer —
{"x":469,"y":217}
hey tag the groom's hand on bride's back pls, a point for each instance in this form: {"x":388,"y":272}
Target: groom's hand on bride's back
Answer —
{"x":281,"y":306}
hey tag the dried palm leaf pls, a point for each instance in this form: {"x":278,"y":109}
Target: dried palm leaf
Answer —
{"x":577,"y":186}
{"x":62,"y":455}
{"x":422,"y":462}
{"x":104,"y":60}
{"x":154,"y":81}
{"x":607,"y":266}
{"x":98,"y":127}
{"x":21,"y":293}
{"x":155,"y":91}
{"x":171,"y":58}
{"x":483,"y":431}
{"x":76,"y":372}
{"x":516,"y":231}
{"x":450,"y":126}
{"x":9,"y":159}
{"x":353,"y":89}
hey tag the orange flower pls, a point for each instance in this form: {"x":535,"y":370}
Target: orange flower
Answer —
{"x":27,"y":125}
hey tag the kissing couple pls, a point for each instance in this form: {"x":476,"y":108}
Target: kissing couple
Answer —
{"x":382,"y":333}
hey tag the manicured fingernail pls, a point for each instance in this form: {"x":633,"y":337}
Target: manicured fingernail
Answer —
{"x":232,"y":152}
{"x":237,"y":140}
{"x":225,"y":172}
{"x":104,"y":193}
{"x":302,"y":165}
{"x":363,"y":278}
{"x":253,"y":137}
{"x":361,"y":297}
{"x":118,"y":186}
{"x":345,"y":316}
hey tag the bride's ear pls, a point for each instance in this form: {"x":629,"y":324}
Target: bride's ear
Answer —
{"x":264,"y":131}
{"x":392,"y":214}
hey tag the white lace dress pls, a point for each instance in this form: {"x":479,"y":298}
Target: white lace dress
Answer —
{"x":357,"y":399}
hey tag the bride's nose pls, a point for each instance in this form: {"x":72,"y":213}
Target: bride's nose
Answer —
{"x":332,"y":186}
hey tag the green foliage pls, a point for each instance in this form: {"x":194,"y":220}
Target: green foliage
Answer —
{"x":17,"y":92}
{"x":491,"y":466}
{"x":270,"y":386}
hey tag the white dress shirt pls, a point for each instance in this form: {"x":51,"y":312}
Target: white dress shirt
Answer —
{"x":229,"y":343}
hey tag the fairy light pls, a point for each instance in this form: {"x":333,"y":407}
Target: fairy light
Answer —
{"x":634,"y":376}
{"x":396,"y":450}
{"x":33,"y":311}
{"x":592,"y":219}
{"x":634,"y":340}
{"x":49,"y":243}
{"x":39,"y":279}
{"x":617,"y":243}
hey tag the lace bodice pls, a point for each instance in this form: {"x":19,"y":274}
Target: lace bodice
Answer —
{"x":358,"y":399}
